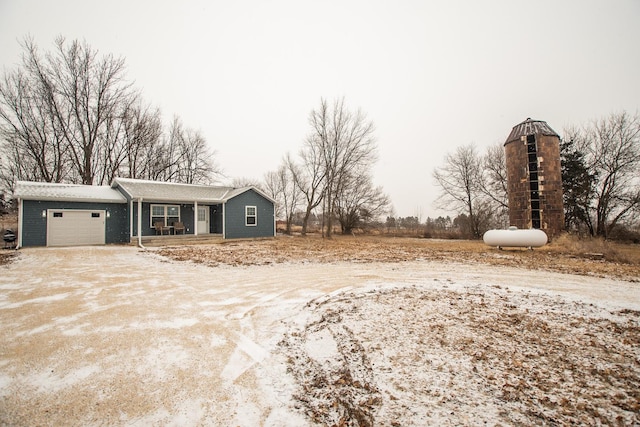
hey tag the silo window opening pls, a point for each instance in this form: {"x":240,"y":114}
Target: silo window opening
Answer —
{"x":534,"y":185}
{"x":535,"y":219}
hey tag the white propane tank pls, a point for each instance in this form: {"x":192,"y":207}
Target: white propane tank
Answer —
{"x":513,"y":237}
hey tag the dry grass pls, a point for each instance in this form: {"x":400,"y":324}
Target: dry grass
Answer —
{"x":591,"y":247}
{"x":565,"y":254}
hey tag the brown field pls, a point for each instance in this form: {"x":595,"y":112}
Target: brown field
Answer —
{"x":591,"y":257}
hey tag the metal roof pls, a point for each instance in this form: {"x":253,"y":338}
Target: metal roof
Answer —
{"x":171,"y":191}
{"x":181,"y":193}
{"x":135,"y":188}
{"x":67,"y":192}
{"x":530,"y":127}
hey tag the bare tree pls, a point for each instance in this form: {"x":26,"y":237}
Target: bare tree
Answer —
{"x":195,"y":164}
{"x":345,"y":142}
{"x":494,"y":184}
{"x":460,"y":182}
{"x":309,"y":177}
{"x":60,"y":113}
{"x":70,"y":116}
{"x":32,"y":142}
{"x":88,"y":93}
{"x":359,"y":202}
{"x":183,"y":156}
{"x":281,"y":187}
{"x":613,"y":145}
{"x":240,"y":182}
{"x":273,"y":188}
{"x":143,"y":136}
{"x":475,"y":186}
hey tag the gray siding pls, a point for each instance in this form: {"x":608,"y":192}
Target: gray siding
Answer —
{"x":235,"y":216}
{"x":216,"y":219}
{"x":34,"y":226}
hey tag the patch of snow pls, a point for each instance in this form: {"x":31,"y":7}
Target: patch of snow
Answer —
{"x":48,"y":381}
{"x":39,"y":300}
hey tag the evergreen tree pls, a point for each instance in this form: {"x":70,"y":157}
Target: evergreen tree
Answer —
{"x":577,"y":183}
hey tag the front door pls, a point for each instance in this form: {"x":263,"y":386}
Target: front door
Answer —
{"x":203,"y":219}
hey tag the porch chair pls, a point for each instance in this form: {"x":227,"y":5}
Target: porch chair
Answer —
{"x":161,"y":228}
{"x":178,"y":227}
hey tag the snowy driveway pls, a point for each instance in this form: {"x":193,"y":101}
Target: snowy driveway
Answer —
{"x":116,"y":335}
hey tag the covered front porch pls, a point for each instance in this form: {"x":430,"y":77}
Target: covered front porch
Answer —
{"x":164,"y":220}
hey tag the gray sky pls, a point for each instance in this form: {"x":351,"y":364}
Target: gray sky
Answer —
{"x":431,"y":75}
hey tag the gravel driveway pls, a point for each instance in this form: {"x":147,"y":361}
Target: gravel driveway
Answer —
{"x":118,"y":335}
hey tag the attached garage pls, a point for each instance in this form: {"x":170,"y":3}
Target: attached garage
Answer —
{"x":70,"y":215}
{"x":74,"y":227}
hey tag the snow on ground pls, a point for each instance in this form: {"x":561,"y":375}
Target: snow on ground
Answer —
{"x":116,"y":335}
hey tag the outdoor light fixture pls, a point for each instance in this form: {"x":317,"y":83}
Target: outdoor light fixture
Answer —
{"x":108,"y":214}
{"x":44,"y":213}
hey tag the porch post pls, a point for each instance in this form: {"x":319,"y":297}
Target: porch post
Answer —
{"x":224,"y":221}
{"x":140,"y":222}
{"x":195,"y":218}
{"x":20,"y":225}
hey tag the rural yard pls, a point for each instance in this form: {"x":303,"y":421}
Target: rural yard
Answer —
{"x":304,"y":331}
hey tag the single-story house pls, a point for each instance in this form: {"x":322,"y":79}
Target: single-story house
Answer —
{"x":130,"y":209}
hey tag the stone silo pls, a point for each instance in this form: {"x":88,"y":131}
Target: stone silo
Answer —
{"x":534,"y":177}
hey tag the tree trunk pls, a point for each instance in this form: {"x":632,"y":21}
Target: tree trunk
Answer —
{"x":305,"y":221}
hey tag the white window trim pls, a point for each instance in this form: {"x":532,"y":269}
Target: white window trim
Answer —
{"x":247,"y":216}
{"x":151,"y":216}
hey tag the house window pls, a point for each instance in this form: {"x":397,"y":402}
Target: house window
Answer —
{"x":166,"y":214}
{"x":250,"y":216}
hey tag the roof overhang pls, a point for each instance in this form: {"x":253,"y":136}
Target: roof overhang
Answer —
{"x":46,"y":191}
{"x":171,"y":192}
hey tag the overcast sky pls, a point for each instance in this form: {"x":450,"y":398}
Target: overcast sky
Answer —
{"x":431,"y":75}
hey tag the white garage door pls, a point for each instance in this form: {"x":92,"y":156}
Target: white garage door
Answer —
{"x":75,"y":227}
